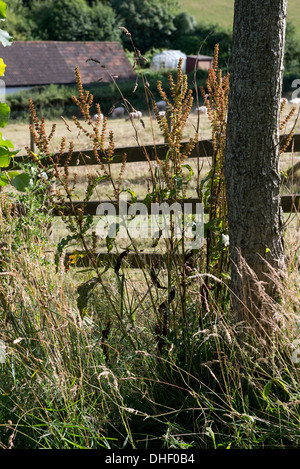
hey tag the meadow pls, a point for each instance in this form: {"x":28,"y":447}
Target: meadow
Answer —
{"x":221,"y":12}
{"x":124,"y":132}
{"x":125,"y":135}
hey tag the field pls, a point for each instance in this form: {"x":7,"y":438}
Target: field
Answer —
{"x":221,"y":12}
{"x":124,"y":136}
{"x":123,"y":131}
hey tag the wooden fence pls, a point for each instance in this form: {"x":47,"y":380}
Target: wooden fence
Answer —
{"x":204,"y":149}
{"x":136,"y":154}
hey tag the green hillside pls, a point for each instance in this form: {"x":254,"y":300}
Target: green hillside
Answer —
{"x":221,"y":11}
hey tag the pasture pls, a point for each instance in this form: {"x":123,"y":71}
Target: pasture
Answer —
{"x":124,"y":133}
{"x":221,"y":12}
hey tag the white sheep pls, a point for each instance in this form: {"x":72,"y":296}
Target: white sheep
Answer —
{"x":295,"y":101}
{"x":118,"y":112}
{"x":201,"y":110}
{"x":96,"y":116}
{"x":134,"y":115}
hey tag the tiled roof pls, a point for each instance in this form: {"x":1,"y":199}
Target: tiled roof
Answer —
{"x":45,"y":62}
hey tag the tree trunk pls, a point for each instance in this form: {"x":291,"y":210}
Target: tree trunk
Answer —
{"x":252,"y":172}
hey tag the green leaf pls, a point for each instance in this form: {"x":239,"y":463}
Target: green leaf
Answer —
{"x":132,"y":193}
{"x":3,"y":8}
{"x":12,"y":174}
{"x":83,"y":295}
{"x":4,"y":114}
{"x":4,"y":142}
{"x":190,"y":171}
{"x":281,"y":384}
{"x":22,"y":182}
{"x":5,"y":152}
{"x":7,"y":177}
{"x":4,"y":181}
{"x":5,"y":156}
{"x":172,"y":193}
{"x":267,"y":389}
{"x":5,"y":161}
{"x":5,"y":38}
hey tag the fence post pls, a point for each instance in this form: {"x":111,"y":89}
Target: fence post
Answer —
{"x":168,"y":117}
{"x":31,"y":136}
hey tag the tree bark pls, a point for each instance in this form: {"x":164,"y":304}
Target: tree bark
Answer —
{"x":251,"y":169}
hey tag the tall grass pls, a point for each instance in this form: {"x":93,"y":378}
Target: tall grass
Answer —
{"x":109,"y":357}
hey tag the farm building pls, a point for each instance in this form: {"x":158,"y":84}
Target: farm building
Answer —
{"x":36,"y":63}
{"x":169,"y":59}
{"x":200,"y":61}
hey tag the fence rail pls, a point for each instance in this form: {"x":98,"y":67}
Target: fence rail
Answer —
{"x":135,"y":154}
{"x":204,"y":149}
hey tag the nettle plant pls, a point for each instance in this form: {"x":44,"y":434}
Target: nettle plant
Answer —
{"x":211,"y":189}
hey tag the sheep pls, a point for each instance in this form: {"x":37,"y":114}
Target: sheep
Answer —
{"x":118,"y":112}
{"x":161,"y":105}
{"x":295,"y":101}
{"x":201,"y":110}
{"x":96,"y":116}
{"x":134,"y":115}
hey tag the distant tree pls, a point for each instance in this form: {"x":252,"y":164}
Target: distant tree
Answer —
{"x":104,"y":22}
{"x":62,"y":20}
{"x":74,"y":20}
{"x":19,"y":23}
{"x":292,"y":51}
{"x":150,"y":22}
{"x":185,"y":23}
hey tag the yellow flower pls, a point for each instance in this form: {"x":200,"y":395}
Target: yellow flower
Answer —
{"x":2,"y":67}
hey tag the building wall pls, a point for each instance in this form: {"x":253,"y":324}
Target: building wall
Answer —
{"x":202,"y":64}
{"x":16,"y":89}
